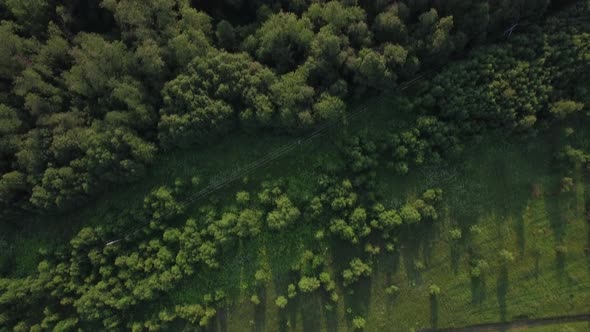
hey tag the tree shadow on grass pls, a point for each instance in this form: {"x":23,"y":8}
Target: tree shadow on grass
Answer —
{"x":284,"y":322}
{"x":555,"y":209}
{"x":410,"y":259}
{"x":455,"y":255}
{"x":502,"y":291}
{"x":434,"y":311}
{"x":587,"y":249}
{"x":410,"y":253}
{"x":478,"y":289}
{"x":357,"y":297}
{"x":311,"y":311}
{"x":295,"y":304}
{"x":560,"y":265}
{"x":260,"y":311}
{"x":330,"y":316}
{"x":520,"y":235}
{"x":427,"y":241}
{"x":221,"y":320}
{"x":389,"y":263}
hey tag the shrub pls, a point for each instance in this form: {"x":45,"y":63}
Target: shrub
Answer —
{"x":358,"y":323}
{"x":281,"y":302}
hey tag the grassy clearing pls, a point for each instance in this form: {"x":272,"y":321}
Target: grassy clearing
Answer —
{"x":510,"y":190}
{"x":568,"y":327}
{"x":212,"y":163}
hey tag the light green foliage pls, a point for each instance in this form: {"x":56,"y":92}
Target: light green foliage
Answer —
{"x":386,"y":221}
{"x":150,"y":57}
{"x":329,"y":108}
{"x":392,"y":290}
{"x":254,"y":299}
{"x":506,"y":256}
{"x":358,"y":323}
{"x":433,"y":290}
{"x":161,"y":204}
{"x":40,"y":85}
{"x":455,"y":234}
{"x":357,"y":269}
{"x":284,"y":214}
{"x":409,"y":214}
{"x":565,"y":108}
{"x":567,"y":184}
{"x":249,"y":223}
{"x":389,"y":27}
{"x":395,"y":55}
{"x":262,"y":276}
{"x":281,"y":302}
{"x":195,"y":313}
{"x":242,"y":197}
{"x":59,"y":188}
{"x":292,"y":290}
{"x":372,"y":249}
{"x":308,"y":284}
{"x":478,"y":268}
{"x":308,"y":262}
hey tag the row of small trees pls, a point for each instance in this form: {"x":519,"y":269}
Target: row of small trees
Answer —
{"x":88,"y":284}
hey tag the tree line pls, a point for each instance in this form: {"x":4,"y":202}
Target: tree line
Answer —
{"x":125,"y":285}
{"x":89,"y":107}
{"x":91,"y":92}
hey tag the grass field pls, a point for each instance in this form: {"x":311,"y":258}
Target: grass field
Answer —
{"x":511,"y":190}
{"x":512,"y":194}
{"x":568,"y":327}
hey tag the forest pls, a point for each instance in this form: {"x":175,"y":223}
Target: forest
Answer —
{"x":293,"y":165}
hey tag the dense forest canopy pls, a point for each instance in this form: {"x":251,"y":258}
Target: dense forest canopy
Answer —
{"x":91,"y":91}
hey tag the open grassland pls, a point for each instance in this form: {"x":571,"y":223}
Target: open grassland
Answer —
{"x":567,"y":327}
{"x":511,"y":191}
{"x":513,"y":195}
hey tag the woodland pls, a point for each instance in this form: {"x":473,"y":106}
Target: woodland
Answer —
{"x":441,"y":154}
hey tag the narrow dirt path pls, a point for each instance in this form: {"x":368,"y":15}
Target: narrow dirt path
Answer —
{"x":515,"y":324}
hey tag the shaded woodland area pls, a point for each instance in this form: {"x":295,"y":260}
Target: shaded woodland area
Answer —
{"x":93,"y":91}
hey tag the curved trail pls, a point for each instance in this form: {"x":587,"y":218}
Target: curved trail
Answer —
{"x":515,"y":324}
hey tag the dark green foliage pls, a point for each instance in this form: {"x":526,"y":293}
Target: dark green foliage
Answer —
{"x":148,"y":73}
{"x":87,"y":104}
{"x":282,"y":41}
{"x":211,"y":95}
